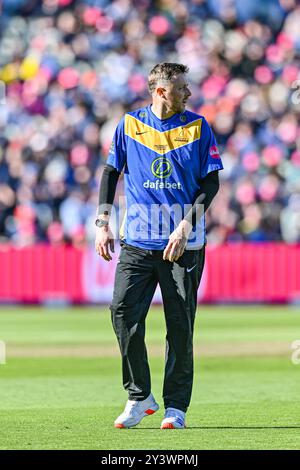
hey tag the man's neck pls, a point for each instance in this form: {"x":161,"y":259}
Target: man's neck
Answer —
{"x":161,"y":111}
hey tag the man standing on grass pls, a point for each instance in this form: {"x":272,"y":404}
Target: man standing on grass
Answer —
{"x":171,"y":162}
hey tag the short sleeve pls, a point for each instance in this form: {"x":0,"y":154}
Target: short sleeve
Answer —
{"x":117,"y":151}
{"x":209,"y":152}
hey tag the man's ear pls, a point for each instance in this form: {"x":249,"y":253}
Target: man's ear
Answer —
{"x":160,"y":91}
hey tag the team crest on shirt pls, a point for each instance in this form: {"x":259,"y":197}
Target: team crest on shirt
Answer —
{"x":214,"y":152}
{"x":182,"y":137}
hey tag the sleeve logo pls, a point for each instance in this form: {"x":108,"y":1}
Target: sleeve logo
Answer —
{"x":112,"y":148}
{"x":214,"y":152}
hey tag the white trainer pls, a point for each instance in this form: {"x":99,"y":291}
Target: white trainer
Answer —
{"x":174,"y":419}
{"x":135,"y":411}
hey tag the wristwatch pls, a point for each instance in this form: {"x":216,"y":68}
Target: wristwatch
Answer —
{"x":101,"y":222}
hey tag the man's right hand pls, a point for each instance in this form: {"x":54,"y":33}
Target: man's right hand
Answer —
{"x":104,"y":242}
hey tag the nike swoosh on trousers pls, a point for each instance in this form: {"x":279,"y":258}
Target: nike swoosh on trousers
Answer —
{"x":190,"y":269}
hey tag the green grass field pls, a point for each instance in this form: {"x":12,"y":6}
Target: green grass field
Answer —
{"x":61,"y":385}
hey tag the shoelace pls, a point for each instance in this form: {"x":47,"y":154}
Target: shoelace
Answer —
{"x":130,"y":406}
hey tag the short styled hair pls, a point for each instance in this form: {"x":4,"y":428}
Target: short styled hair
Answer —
{"x":164,"y":72}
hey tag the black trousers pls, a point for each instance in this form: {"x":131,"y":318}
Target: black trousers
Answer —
{"x":137,"y":274}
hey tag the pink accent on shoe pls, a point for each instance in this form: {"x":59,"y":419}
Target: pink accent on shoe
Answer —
{"x":120,"y":426}
{"x":150,"y":412}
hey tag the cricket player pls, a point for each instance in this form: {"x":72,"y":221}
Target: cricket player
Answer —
{"x":170,"y":161}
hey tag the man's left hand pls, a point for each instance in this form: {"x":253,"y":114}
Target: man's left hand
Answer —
{"x":177,"y":241}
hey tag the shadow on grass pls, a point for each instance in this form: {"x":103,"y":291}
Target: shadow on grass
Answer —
{"x":227,"y":427}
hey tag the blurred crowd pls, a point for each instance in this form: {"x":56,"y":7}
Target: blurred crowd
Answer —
{"x":70,"y":69}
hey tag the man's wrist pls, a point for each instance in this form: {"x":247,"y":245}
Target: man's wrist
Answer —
{"x":104,"y":216}
{"x":186,"y":226}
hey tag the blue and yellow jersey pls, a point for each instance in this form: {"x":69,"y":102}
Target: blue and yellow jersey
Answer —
{"x":164,"y":161}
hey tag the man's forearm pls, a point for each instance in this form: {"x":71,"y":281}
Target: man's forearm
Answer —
{"x":107,"y":190}
{"x":209,"y":188}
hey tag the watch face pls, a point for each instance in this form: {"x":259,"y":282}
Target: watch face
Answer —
{"x":101,"y":223}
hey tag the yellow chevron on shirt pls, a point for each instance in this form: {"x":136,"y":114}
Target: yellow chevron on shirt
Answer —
{"x":162,"y":142}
